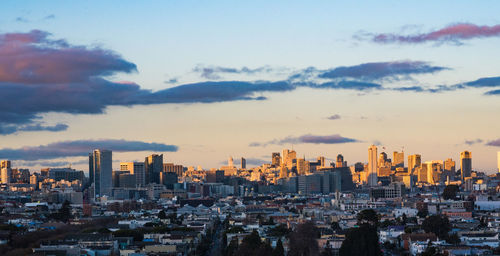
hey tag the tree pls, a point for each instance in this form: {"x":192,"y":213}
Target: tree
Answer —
{"x":137,"y":235}
{"x":361,"y":241}
{"x":162,"y":215}
{"x":450,"y":192}
{"x":303,"y":240}
{"x":232,"y":248}
{"x":453,"y":239}
{"x":437,"y":224}
{"x":253,"y":245}
{"x":368,"y":216}
{"x":278,"y":250}
{"x":335,"y":226}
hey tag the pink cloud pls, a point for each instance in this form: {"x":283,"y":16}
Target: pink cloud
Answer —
{"x":453,"y":33}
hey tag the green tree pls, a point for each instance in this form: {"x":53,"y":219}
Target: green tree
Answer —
{"x":437,"y":224}
{"x":450,"y":192}
{"x":162,"y":215}
{"x":137,"y":235}
{"x":368,"y":216}
{"x":361,"y":241}
{"x":303,"y":240}
{"x":253,"y":245}
{"x":279,"y":250}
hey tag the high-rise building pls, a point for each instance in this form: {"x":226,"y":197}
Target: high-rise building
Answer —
{"x":288,"y":158}
{"x":414,"y":161}
{"x":449,"y":169}
{"x":275,"y":159}
{"x":372,"y":166}
{"x":243,"y":163}
{"x":102,"y":172}
{"x":321,"y":160}
{"x":382,"y":159}
{"x":434,"y":171}
{"x":301,"y":166}
{"x":137,"y":169}
{"x":340,"y":161}
{"x":5,"y":172}
{"x":498,"y":160}
{"x":153,"y":166}
{"x":177,"y":168}
{"x":466,"y":164}
{"x":398,"y":159}
{"x":230,"y":162}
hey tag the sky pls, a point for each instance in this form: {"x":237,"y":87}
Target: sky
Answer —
{"x":200,"y":81}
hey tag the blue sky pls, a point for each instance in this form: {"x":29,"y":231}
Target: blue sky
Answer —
{"x":167,"y":40}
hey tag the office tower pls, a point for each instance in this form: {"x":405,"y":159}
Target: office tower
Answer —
{"x":168,"y":179}
{"x":243,"y":163}
{"x":66,"y":174}
{"x":275,"y":159}
{"x":230,"y":162}
{"x":5,"y":164}
{"x":382,"y":159}
{"x":102,"y":172}
{"x":398,"y":159}
{"x":321,"y":160}
{"x":153,"y":166}
{"x":283,"y":172}
{"x":301,"y":166}
{"x":91,"y":168}
{"x":372,"y":166}
{"x":137,"y":169}
{"x":288,"y":158}
{"x":449,"y":169}
{"x":116,"y":177}
{"x":466,"y":164}
{"x":5,"y":171}
{"x":340,"y":161}
{"x":498,"y":160}
{"x":434,"y":171}
{"x":177,"y":168}
{"x":413,"y":162}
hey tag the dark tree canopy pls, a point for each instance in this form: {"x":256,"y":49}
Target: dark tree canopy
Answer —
{"x":450,"y":192}
{"x":368,"y":216}
{"x":303,"y":240}
{"x":279,"y":250}
{"x":437,"y":224}
{"x":362,"y":241}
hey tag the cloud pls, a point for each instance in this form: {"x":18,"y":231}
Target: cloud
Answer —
{"x":212,"y":72}
{"x":485,"y":82}
{"x":80,"y":148}
{"x":455,"y":33}
{"x":334,"y":117}
{"x":49,"y":17}
{"x":378,"y":70}
{"x":9,"y":129}
{"x":22,"y":20}
{"x":494,"y":92}
{"x":495,"y":143}
{"x":472,"y":142}
{"x":308,"y":138}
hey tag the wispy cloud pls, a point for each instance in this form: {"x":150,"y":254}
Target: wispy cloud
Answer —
{"x":472,"y":142}
{"x":334,"y":117}
{"x":76,"y":148}
{"x":455,"y":33}
{"x":495,"y":143}
{"x":379,"y":70}
{"x":213,"y":72}
{"x":308,"y":138}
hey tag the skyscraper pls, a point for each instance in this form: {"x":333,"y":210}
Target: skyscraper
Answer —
{"x":137,"y":169}
{"x":101,"y":161}
{"x":372,"y":166}
{"x":398,"y":159}
{"x":153,"y":165}
{"x":243,"y":163}
{"x":230,"y":161}
{"x":449,"y":169}
{"x":466,"y":164}
{"x":288,"y":157}
{"x":340,"y":161}
{"x":498,"y":160}
{"x":275,"y":159}
{"x":413,"y":162}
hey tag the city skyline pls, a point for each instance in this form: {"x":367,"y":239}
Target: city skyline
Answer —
{"x":202,"y":84}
